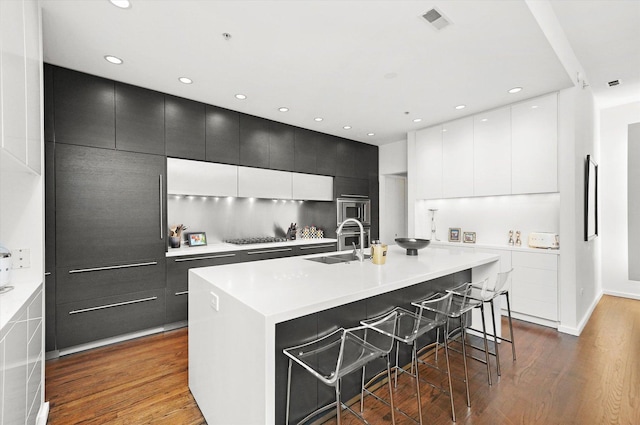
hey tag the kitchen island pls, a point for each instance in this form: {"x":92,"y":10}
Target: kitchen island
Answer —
{"x":242,"y":315}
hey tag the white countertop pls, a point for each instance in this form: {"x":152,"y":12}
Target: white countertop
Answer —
{"x":226,"y":247}
{"x":291,"y":287}
{"x":523,"y":248}
{"x":11,"y":302}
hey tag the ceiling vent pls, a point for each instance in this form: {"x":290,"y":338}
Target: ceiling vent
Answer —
{"x":436,"y":19}
{"x":614,"y":83}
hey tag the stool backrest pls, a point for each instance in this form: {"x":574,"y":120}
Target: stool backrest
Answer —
{"x":436,"y":308}
{"x":503,"y":282}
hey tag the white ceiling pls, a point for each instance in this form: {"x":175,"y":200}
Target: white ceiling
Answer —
{"x":372,"y":65}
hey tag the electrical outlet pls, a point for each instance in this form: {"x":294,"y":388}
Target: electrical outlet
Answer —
{"x":21,"y":258}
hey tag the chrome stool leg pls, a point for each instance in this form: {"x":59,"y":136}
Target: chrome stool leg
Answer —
{"x":513,"y":341}
{"x":288,"y":392}
{"x":464,"y":360}
{"x":486,"y":346}
{"x":495,"y":337}
{"x":414,"y":363}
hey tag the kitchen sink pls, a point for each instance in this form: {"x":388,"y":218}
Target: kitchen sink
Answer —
{"x":337,"y":258}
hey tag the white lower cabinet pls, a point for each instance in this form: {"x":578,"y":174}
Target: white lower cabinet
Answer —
{"x":535,"y":285}
{"x":21,"y":356}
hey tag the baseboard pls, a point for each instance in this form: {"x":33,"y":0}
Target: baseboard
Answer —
{"x":109,"y":341}
{"x":622,"y":294}
{"x":43,"y":414}
{"x":585,"y":319}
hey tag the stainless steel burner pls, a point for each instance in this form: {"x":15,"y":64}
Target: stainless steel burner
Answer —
{"x":247,"y":241}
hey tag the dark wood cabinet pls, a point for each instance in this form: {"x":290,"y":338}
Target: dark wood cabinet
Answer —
{"x":184,"y":128}
{"x":110,"y":206}
{"x":281,"y":146}
{"x":49,"y":128}
{"x":254,"y":141}
{"x":222,"y":135}
{"x":50,"y":311}
{"x":345,"y":187}
{"x":84,"y":109}
{"x":327,"y":154}
{"x":306,"y":147}
{"x":139,"y":119}
{"x":352,"y":159}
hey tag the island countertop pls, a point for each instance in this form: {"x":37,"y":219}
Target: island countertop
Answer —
{"x":291,"y":287}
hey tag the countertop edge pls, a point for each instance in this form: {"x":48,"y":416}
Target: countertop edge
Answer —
{"x":227,"y":247}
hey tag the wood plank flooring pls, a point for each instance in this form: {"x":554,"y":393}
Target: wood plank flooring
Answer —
{"x":557,"y":379}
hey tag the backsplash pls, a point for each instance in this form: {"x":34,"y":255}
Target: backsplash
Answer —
{"x":230,"y":218}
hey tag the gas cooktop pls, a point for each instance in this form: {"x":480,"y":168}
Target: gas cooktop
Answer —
{"x":247,"y":241}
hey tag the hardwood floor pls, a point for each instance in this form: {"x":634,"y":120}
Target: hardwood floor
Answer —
{"x":557,"y":379}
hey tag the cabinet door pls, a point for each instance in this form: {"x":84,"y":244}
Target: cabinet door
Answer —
{"x":50,"y":310}
{"x":269,"y":253}
{"x":49,"y":207}
{"x":84,"y":109}
{"x":110,"y":206}
{"x":535,"y":145}
{"x":260,"y":183}
{"x":457,"y":158}
{"x":33,"y":66}
{"x":15,"y":371}
{"x":492,"y":153}
{"x":184,"y":122}
{"x":186,"y":177}
{"x":326,"y":155}
{"x":315,"y":249}
{"x":312,"y":188}
{"x":139,"y":119}
{"x":429,"y":163}
{"x":281,"y":147}
{"x":222,"y":135}
{"x":85,"y":321}
{"x":347,"y":187}
{"x":535,"y":285}
{"x":307,"y":145}
{"x":346,"y":155}
{"x":254,"y":141}
{"x":49,"y":128}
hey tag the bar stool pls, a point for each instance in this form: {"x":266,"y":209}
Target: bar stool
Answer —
{"x":340,"y":353}
{"x":431,"y":314}
{"x":487,"y":294}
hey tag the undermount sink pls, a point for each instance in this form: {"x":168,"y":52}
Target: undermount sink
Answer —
{"x":337,"y":258}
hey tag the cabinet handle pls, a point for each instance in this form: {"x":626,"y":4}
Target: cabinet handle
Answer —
{"x":47,"y":273}
{"x":267,"y":251}
{"x":123,"y":266}
{"x":347,"y":195}
{"x":161,"y":212}
{"x":210,"y":257}
{"x":102,"y":307}
{"x":181,"y":293}
{"x":315,"y":247}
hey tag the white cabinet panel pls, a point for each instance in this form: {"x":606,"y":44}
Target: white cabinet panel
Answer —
{"x":1,"y":379}
{"x":535,"y":285}
{"x":457,"y":158}
{"x":534,"y":127}
{"x":429,"y":163}
{"x":505,"y":257}
{"x":492,"y":153}
{"x":186,"y":177}
{"x":12,"y":60}
{"x":261,"y":183}
{"x":312,"y":188}
{"x":33,"y":77}
{"x":15,"y":375}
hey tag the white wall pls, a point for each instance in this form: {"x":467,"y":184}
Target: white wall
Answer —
{"x":613,"y":192}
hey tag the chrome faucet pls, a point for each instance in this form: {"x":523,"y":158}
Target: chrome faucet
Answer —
{"x":360,"y":253}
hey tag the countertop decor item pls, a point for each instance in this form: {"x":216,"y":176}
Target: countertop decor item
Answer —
{"x":454,"y":234}
{"x":412,"y":245}
{"x":510,"y":238}
{"x":518,"y":240}
{"x":175,"y":235}
{"x":469,"y":237}
{"x":197,"y":239}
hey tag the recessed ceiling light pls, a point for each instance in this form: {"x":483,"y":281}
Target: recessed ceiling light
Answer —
{"x":515,"y":90}
{"x":371,"y":134}
{"x":417,"y":120}
{"x":283,"y":109}
{"x":114,"y":60}
{"x":347,"y":127}
{"x":185,"y":80}
{"x":444,"y":129}
{"x":484,"y":119}
{"x":122,"y":4}
{"x":461,"y":106}
{"x":534,"y":107}
{"x":241,"y":96}
{"x":317,"y":119}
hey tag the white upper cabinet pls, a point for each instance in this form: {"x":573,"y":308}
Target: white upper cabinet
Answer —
{"x":185,"y":177}
{"x":534,"y":145}
{"x":261,"y":183}
{"x":492,"y":153}
{"x":310,"y":187}
{"x":428,"y":160}
{"x":457,"y":158}
{"x":33,"y":65}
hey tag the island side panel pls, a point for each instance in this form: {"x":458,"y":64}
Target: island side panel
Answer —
{"x":226,"y":357}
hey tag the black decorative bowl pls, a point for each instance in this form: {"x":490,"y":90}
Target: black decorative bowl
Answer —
{"x":412,"y":245}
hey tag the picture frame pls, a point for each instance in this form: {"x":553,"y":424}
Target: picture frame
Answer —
{"x":454,"y":234}
{"x":197,"y":239}
{"x":590,"y":199}
{"x":469,"y":237}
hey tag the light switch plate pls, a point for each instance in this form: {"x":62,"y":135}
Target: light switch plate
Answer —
{"x":215,"y":301}
{"x":21,"y":258}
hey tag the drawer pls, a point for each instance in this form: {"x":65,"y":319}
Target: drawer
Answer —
{"x":315,"y":249}
{"x":178,"y":267}
{"x":544,"y":310}
{"x":269,"y":253}
{"x":546,"y":279}
{"x":505,"y":257}
{"x":77,"y":284}
{"x":177,"y":305}
{"x":80,"y":322}
{"x":534,"y":260}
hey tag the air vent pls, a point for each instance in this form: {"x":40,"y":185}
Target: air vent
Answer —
{"x":614,"y":83}
{"x":436,"y":19}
